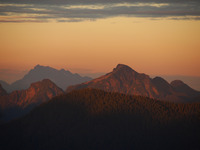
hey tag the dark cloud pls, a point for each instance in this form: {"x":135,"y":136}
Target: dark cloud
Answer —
{"x":21,"y":21}
{"x":83,"y":2}
{"x":71,"y":20}
{"x":76,"y":10}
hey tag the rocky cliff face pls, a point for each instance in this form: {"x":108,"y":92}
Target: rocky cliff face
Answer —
{"x":125,"y":80}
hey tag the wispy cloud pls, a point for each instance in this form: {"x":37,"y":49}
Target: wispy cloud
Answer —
{"x":76,"y":10}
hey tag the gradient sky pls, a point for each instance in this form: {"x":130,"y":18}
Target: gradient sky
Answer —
{"x":94,"y":36}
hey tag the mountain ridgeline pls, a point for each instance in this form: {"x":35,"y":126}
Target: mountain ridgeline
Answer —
{"x":95,"y":119}
{"x":123,"y":109}
{"x":124,"y":79}
{"x":18,"y":103}
{"x":62,"y":78}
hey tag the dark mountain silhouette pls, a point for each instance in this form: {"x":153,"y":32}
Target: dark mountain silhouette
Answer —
{"x":94,"y":119}
{"x":18,"y":102}
{"x":192,"y":81}
{"x":167,"y":92}
{"x":5,"y":85}
{"x":61,"y":78}
{"x":125,"y":80}
{"x":162,"y":85}
{"x":2,"y":91}
{"x":181,"y":87}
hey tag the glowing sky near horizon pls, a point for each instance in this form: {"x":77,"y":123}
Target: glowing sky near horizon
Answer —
{"x":83,"y":42}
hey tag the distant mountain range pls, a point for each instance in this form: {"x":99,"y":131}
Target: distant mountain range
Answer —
{"x":119,"y":110}
{"x":61,"y":78}
{"x":19,"y":103}
{"x":125,"y":80}
{"x":122,"y":79}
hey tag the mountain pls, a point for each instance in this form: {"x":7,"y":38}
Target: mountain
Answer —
{"x":5,"y":85}
{"x":61,"y":78}
{"x":181,"y":87}
{"x":167,"y":92}
{"x":125,"y":80}
{"x":2,"y":91}
{"x":98,"y":120}
{"x":122,"y":79}
{"x":192,"y":81}
{"x":19,"y":103}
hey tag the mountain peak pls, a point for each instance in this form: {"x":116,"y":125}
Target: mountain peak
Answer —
{"x":160,"y":80}
{"x":22,"y":101}
{"x":125,"y":80}
{"x":46,"y":81}
{"x":122,"y":79}
{"x":121,"y":67}
{"x":37,"y":66}
{"x":62,"y":70}
{"x":180,"y":86}
{"x":62,"y":78}
{"x":162,"y":85}
{"x":45,"y":87}
{"x":43,"y":83}
{"x":65,"y":71}
{"x":177,"y":83}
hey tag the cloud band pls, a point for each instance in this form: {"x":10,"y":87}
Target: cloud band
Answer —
{"x":76,"y":11}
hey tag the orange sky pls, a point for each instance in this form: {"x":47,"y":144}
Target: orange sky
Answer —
{"x":169,"y":47}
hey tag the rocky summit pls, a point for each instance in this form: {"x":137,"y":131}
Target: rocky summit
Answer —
{"x":125,"y":80}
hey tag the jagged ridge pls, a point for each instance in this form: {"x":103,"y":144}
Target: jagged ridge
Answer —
{"x":125,"y":80}
{"x":62,"y":78}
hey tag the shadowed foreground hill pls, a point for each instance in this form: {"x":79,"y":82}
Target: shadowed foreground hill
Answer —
{"x":94,"y":119}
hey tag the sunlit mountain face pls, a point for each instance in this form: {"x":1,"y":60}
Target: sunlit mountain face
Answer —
{"x":18,"y":103}
{"x":124,"y":79}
